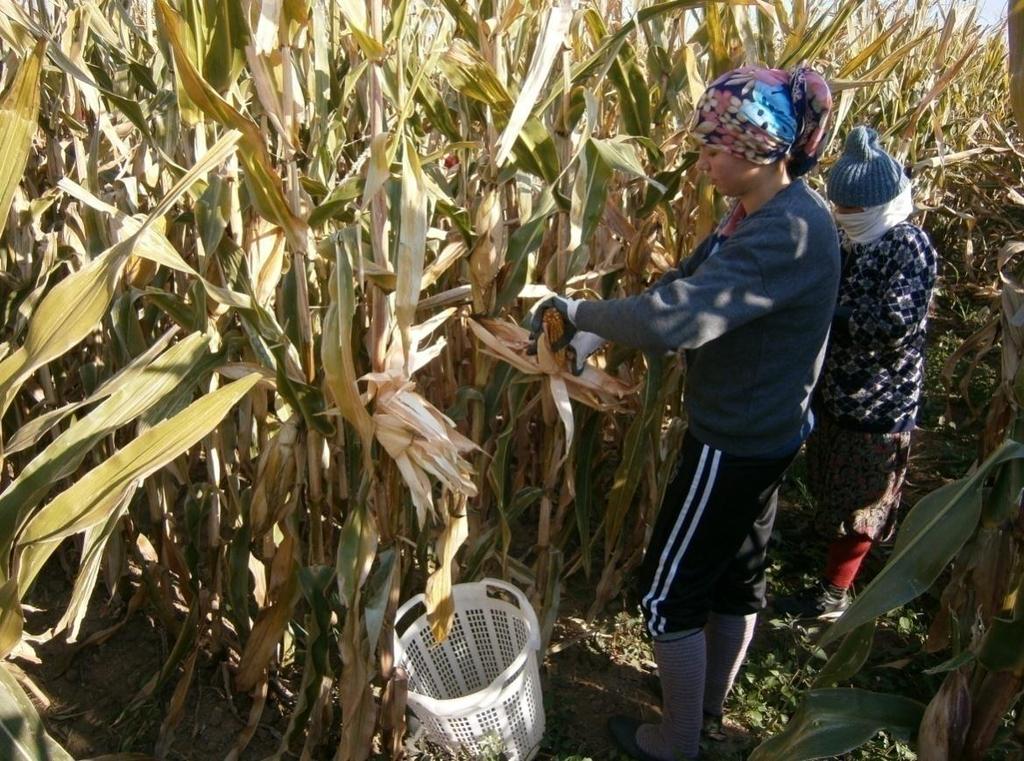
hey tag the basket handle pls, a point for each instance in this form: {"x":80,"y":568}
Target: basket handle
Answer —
{"x":404,"y":609}
{"x":524,"y":606}
{"x":401,"y":613}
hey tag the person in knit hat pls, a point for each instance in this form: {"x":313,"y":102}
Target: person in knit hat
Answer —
{"x":751,"y":309}
{"x":867,"y":399}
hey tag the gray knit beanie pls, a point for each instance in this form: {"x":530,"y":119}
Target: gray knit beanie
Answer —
{"x":865,"y":175}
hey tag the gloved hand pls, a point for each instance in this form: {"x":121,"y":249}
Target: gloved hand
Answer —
{"x":582,"y":345}
{"x":567,"y":308}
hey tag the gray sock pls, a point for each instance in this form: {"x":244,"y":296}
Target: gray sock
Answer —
{"x":681,"y":659}
{"x":727,"y":641}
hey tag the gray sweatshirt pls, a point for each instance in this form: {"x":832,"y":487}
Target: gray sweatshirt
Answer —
{"x":753,"y":316}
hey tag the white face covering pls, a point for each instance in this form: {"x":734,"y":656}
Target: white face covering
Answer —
{"x":875,"y":221}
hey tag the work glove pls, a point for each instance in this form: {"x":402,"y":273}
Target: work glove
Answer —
{"x":566,"y":308}
{"x":582,"y":345}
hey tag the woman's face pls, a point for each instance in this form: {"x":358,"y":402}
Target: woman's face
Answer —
{"x":732,"y":175}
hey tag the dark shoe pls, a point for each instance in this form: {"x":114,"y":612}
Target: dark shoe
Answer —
{"x":623,"y":730}
{"x":822,"y":601}
{"x":712,"y":728}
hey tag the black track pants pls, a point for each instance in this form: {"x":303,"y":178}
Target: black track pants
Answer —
{"x":707,"y":550}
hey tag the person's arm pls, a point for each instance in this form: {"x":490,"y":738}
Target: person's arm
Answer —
{"x":685,"y":267}
{"x":726,"y":291}
{"x":908,"y":277}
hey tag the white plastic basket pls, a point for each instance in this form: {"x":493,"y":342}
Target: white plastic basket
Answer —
{"x":479,"y":690}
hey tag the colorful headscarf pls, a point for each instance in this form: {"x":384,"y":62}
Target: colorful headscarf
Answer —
{"x":766,"y":115}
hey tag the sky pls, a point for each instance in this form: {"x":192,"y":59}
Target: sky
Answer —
{"x":991,"y":11}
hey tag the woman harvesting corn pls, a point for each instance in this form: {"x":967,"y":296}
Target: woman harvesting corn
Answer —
{"x":751,"y":309}
{"x":870,"y":389}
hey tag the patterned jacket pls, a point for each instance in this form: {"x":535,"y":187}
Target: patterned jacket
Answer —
{"x":874,"y":369}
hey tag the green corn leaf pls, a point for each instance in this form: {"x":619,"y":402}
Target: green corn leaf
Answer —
{"x":612,"y":46}
{"x":356,"y":551}
{"x":66,"y":315}
{"x":589,"y":195}
{"x":868,"y":50}
{"x":11,"y":620}
{"x":586,"y":461}
{"x":95,"y":542}
{"x":499,"y":472}
{"x":628,"y":78}
{"x":137,"y":390}
{"x":831,"y":722}
{"x":523,"y":242}
{"x":225,"y":55}
{"x":19,"y":113}
{"x":620,"y":154}
{"x":470,"y":74}
{"x":262,"y":180}
{"x":931,"y":535}
{"x":848,"y":659}
{"x":1002,"y":648}
{"x":22,"y":734}
{"x":635,"y":454}
{"x":71,"y":309}
{"x":814,"y":42}
{"x":33,"y":430}
{"x":377,"y":593}
{"x":152,"y":244}
{"x":468,"y":28}
{"x":717,"y":36}
{"x":90,"y":500}
{"x":354,"y":13}
{"x":314,"y":581}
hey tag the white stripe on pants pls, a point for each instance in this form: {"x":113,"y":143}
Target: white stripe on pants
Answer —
{"x":652,"y":601}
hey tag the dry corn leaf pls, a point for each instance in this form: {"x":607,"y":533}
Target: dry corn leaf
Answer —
{"x":263,"y":181}
{"x":440,"y":604}
{"x":259,"y":702}
{"x":270,"y":625}
{"x":412,"y":246}
{"x":136,"y":390}
{"x":336,"y":352}
{"x":508,"y":341}
{"x":546,"y":50}
{"x":93,"y":496}
{"x":19,"y":112}
{"x":71,"y":309}
{"x":151,"y":244}
{"x":486,"y":257}
{"x":415,"y":434}
{"x":275,"y":480}
{"x":1015,"y":48}
{"x":358,"y":710}
{"x":176,"y":707}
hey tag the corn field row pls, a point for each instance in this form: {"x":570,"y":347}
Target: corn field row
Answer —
{"x":263,"y":277}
